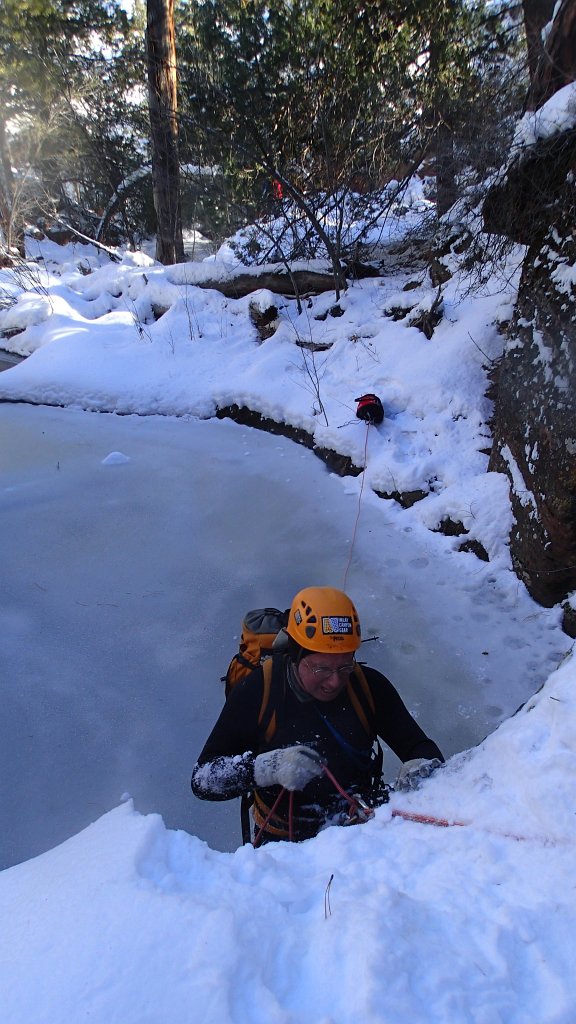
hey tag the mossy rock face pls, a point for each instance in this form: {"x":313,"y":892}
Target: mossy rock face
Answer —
{"x":535,"y":419}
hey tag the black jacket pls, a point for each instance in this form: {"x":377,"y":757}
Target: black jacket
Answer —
{"x":225,"y":767}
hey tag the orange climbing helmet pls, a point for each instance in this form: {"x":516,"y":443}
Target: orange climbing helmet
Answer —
{"x":325,"y":620}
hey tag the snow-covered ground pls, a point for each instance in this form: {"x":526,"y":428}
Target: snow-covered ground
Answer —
{"x":131,"y":547}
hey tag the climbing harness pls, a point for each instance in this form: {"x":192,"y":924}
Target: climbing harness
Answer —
{"x":358,"y":810}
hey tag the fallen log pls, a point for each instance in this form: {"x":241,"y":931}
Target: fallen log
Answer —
{"x":297,"y":284}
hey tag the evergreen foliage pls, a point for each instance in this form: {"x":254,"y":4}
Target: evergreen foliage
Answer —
{"x":337,"y":99}
{"x":65,"y":123}
{"x":334,"y":101}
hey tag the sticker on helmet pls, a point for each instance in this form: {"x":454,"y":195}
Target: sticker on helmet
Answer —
{"x":336,"y":624}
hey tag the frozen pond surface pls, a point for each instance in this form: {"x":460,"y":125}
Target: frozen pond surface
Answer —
{"x":123,"y":586}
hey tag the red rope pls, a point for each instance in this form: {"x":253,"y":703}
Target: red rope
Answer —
{"x":426,"y":819}
{"x":364,"y":812}
{"x":429,"y":819}
{"x":357,"y":807}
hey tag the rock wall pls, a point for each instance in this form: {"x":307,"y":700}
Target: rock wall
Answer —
{"x":535,"y":419}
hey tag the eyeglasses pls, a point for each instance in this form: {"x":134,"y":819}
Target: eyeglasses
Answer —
{"x":325,"y":671}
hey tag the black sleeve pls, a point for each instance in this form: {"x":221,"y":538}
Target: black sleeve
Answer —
{"x":394,"y":722}
{"x":225,"y":766}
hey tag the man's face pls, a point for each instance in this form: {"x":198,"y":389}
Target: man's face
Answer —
{"x":324,"y":676}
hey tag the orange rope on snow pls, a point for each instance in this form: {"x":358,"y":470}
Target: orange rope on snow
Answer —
{"x":426,"y":819}
{"x":430,"y":819}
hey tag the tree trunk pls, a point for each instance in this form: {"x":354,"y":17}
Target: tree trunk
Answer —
{"x":446,"y":190}
{"x":7,"y":211}
{"x":537,"y":14}
{"x":162,"y":106}
{"x":556,"y":63}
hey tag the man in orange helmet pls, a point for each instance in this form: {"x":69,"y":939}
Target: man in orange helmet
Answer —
{"x":315,"y":709}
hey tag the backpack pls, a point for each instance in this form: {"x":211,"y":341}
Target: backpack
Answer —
{"x":261,"y":634}
{"x":370,"y":409}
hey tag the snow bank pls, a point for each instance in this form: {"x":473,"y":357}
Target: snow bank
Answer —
{"x":393,"y":921}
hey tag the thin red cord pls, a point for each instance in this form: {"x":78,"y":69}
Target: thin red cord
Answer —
{"x":355,"y":806}
{"x":359,"y":507}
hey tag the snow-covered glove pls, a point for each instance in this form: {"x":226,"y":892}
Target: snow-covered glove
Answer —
{"x":292,"y":767}
{"x":412,"y":772}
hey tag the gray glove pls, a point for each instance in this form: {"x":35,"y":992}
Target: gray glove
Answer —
{"x":412,"y":772}
{"x":292,"y":767}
